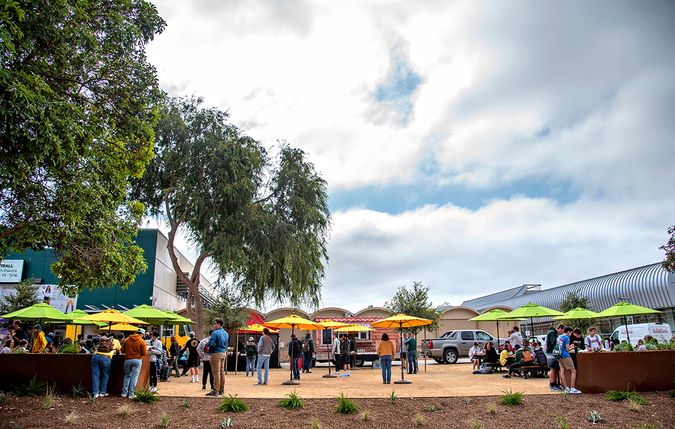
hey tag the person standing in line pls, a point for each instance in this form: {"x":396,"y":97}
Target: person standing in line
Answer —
{"x":344,"y":353}
{"x":265,"y":350}
{"x":218,"y":349}
{"x":100,"y":366}
{"x":134,"y":349}
{"x":411,"y":346}
{"x":553,"y":365}
{"x":155,"y":351}
{"x":192,"y":363}
{"x":295,"y":354}
{"x":565,"y":361}
{"x":251,"y":351}
{"x":404,"y":352}
{"x":174,"y":354}
{"x":205,"y":356}
{"x":336,"y":353}
{"x":386,"y":350}
{"x":39,"y":340}
{"x":307,"y":353}
{"x":352,"y":350}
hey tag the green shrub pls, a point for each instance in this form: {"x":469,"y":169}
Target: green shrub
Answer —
{"x":345,"y":405}
{"x":476,"y":424}
{"x":227,"y":423}
{"x":50,"y":396}
{"x":232,"y":404}
{"x":185,"y":404}
{"x":672,"y":393}
{"x":511,"y":399}
{"x":393,"y":397}
{"x":623,"y":347}
{"x":78,"y":391}
{"x":164,"y":421}
{"x":34,"y":387}
{"x":594,"y":417}
{"x":625,"y":395}
{"x":316,"y":424}
{"x":431,"y":408}
{"x":492,"y":409}
{"x":419,"y":420}
{"x":3,"y":397}
{"x":145,"y":396}
{"x":365,"y":416}
{"x":292,"y":401}
{"x":562,"y":424}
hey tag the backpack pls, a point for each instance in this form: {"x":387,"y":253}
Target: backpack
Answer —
{"x":297,"y":348}
{"x":527,"y":356}
{"x":557,"y":350}
{"x":541,"y":358}
{"x":105,"y":345}
{"x":485,"y":369}
{"x":305,"y":345}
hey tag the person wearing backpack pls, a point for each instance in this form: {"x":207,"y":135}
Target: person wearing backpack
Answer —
{"x":553,"y":366}
{"x":251,"y":351}
{"x":100,"y":367}
{"x":295,"y":353}
{"x":562,"y":349}
{"x":155,"y":351}
{"x":523,"y":357}
{"x":307,"y":353}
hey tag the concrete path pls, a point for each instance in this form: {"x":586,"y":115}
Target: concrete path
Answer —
{"x":438,"y":380}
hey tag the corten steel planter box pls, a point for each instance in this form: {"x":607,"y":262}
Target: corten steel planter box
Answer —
{"x":639,"y":371}
{"x":66,"y":370}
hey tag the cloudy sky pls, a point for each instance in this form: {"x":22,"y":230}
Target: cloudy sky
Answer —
{"x":470,"y":145}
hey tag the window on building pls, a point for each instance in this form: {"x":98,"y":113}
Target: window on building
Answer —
{"x":363,"y":335}
{"x":467,"y":336}
{"x":326,"y":336}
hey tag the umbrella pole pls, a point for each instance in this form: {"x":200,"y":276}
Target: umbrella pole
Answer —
{"x":425,"y":357}
{"x":330,"y":351}
{"x":402,"y":380}
{"x":290,"y":380}
{"x":625,"y":323}
{"x":497,"y":335}
{"x":236,"y":353}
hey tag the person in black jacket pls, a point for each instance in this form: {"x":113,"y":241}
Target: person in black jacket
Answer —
{"x":174,"y":352}
{"x":295,"y":354}
{"x":307,"y":353}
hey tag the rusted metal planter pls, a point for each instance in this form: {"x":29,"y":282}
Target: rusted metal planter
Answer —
{"x":65,"y":370}
{"x":639,"y":371}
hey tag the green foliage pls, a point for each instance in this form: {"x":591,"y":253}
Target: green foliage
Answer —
{"x":562,"y":424}
{"x":78,"y":104}
{"x":292,"y":401}
{"x":624,"y":346}
{"x":24,"y":296}
{"x":232,"y":404}
{"x":185,"y":404}
{"x":492,"y":409}
{"x":393,"y":397}
{"x":414,"y":302}
{"x":50,"y":396}
{"x":594,"y":417}
{"x":511,"y":399}
{"x":345,"y":405}
{"x":316,"y":424}
{"x":625,"y":395}
{"x":365,"y":416}
{"x":71,"y":349}
{"x":476,"y":424}
{"x":78,"y":391}
{"x":419,"y":420}
{"x":4,"y":396}
{"x":124,"y":410}
{"x":91,"y":398}
{"x":672,"y":393}
{"x":164,"y":421}
{"x":431,"y":408}
{"x":669,"y":261}
{"x":572,"y":300}
{"x":262,"y":221}
{"x":227,"y":423}
{"x":146,"y":396}
{"x":34,"y":387}
{"x":231,"y":307}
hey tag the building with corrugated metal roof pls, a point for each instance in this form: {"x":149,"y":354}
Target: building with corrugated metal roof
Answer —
{"x":650,"y":286}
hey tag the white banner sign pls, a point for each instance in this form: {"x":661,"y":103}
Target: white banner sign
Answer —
{"x":11,"y":270}
{"x":52,"y":293}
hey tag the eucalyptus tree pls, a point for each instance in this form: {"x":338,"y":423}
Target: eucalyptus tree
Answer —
{"x":414,"y":302}
{"x":78,"y":102}
{"x":262,"y":221}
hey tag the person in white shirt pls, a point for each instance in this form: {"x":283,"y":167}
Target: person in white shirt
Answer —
{"x":472,"y":355}
{"x":515,"y":338}
{"x":336,"y":353}
{"x":593,"y":340}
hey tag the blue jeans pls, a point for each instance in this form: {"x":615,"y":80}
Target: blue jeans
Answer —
{"x":100,"y":373}
{"x":385,"y":363}
{"x":263,"y":360}
{"x":250,"y":365}
{"x":306,"y":361}
{"x":132,"y":367}
{"x":296,"y":370}
{"x":412,"y":362}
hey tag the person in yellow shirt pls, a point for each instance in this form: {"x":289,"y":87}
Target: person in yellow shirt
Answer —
{"x":39,"y":340}
{"x":385,"y":350}
{"x":116,"y":343}
{"x":504,"y":355}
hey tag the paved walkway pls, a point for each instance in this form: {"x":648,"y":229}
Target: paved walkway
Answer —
{"x":438,"y":380}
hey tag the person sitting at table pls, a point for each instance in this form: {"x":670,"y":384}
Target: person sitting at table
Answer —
{"x":490,"y":353}
{"x":504,"y":354}
{"x":474,"y":355}
{"x":523,"y":357}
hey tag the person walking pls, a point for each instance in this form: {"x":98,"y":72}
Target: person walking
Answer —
{"x":192,"y":363}
{"x":251,"y":351}
{"x":133,"y":349}
{"x":155,"y":350}
{"x":218,"y":349}
{"x":411,"y":345}
{"x":307,"y":353}
{"x":100,"y":366}
{"x":205,"y":356}
{"x":385,"y":350}
{"x":295,"y":354}
{"x":265,"y":350}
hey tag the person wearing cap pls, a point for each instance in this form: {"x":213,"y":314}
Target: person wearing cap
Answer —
{"x":251,"y":350}
{"x":134,"y":349}
{"x":39,"y":340}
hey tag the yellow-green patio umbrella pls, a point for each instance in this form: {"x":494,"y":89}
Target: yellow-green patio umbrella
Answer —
{"x":530,"y":311}
{"x":577,"y":313}
{"x":494,"y":315}
{"x":178,"y":319}
{"x":152,"y":315}
{"x":401,"y":321}
{"x":40,"y":312}
{"x":623,"y":309}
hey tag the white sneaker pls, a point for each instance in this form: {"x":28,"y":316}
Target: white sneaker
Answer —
{"x":574,"y":391}
{"x":96,"y":395}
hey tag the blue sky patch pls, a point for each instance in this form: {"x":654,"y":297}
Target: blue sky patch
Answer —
{"x":399,"y":85}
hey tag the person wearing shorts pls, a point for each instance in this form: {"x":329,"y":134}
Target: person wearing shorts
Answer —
{"x":551,"y":339}
{"x":565,"y":361}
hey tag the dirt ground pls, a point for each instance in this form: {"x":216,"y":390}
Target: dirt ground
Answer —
{"x":445,"y":396}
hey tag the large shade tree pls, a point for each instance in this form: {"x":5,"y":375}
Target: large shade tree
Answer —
{"x":262,"y":221}
{"x":78,"y":102}
{"x":669,"y":262}
{"x":414,"y":301}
